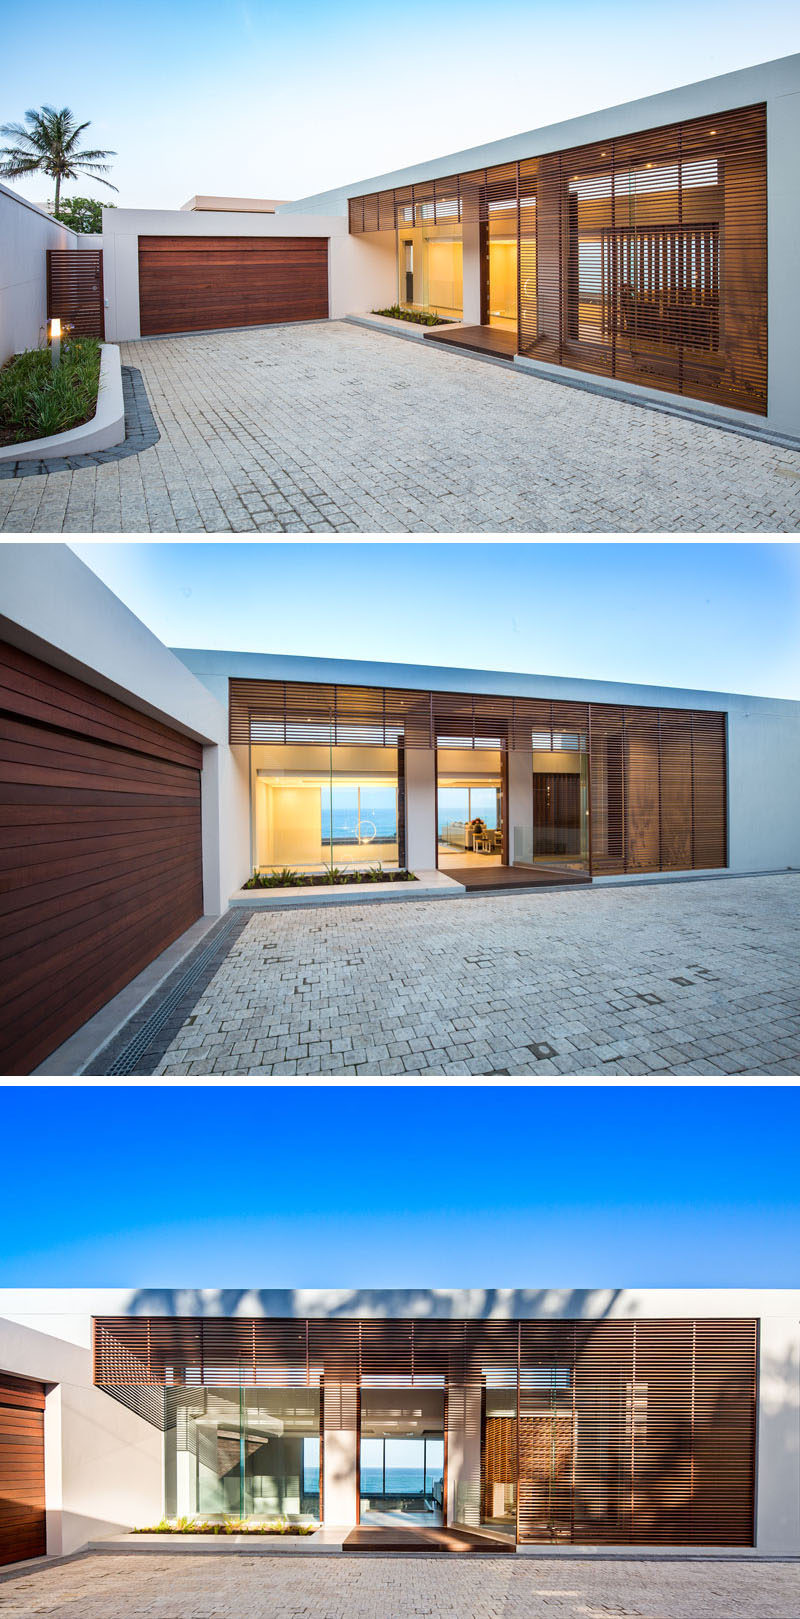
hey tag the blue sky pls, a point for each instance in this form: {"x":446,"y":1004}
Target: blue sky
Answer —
{"x":386,"y":1186}
{"x":259,"y":99}
{"x":711,"y":617}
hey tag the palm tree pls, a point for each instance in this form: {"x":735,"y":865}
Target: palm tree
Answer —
{"x":50,"y":146}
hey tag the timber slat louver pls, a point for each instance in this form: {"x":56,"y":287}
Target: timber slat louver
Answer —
{"x":657,"y":775}
{"x":626,"y":1432}
{"x":641,"y":257}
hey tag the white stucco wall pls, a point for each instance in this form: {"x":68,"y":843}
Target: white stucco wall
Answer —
{"x":103,"y":1463}
{"x":26,"y":232}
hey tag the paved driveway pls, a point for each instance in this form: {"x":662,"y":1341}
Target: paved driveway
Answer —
{"x":275,"y":1587}
{"x":333,"y":428}
{"x":686,"y":978}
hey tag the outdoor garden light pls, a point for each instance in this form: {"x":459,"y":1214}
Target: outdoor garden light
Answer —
{"x":55,"y":341}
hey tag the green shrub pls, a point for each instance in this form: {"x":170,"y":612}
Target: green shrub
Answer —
{"x":37,"y":400}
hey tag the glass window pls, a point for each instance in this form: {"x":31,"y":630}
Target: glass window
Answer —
{"x":243,"y":1453}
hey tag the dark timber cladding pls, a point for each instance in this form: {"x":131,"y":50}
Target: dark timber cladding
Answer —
{"x":22,"y":1506}
{"x":642,"y":257}
{"x":658,"y":776}
{"x":100,"y":854}
{"x":196,"y":283}
{"x":621,"y":1431}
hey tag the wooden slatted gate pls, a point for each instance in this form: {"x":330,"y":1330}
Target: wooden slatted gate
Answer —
{"x":75,"y":289}
{"x":100,"y":851}
{"x":22,"y":1505}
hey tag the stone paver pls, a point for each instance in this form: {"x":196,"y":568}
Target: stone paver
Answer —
{"x":332,"y":428}
{"x":106,"y":1586}
{"x":684,"y":978}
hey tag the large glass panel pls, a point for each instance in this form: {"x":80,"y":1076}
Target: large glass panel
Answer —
{"x":561,"y":809}
{"x":430,"y":269}
{"x":314,"y":807}
{"x":238,"y":1453}
{"x":499,"y":1471}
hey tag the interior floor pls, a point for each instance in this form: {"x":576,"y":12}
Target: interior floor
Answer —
{"x":449,"y":857}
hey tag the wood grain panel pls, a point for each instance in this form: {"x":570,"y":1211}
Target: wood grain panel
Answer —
{"x":190,"y":284}
{"x":100,"y":851}
{"x":22,"y":1503}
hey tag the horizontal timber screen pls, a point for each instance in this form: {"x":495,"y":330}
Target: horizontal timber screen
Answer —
{"x":642,"y":257}
{"x":658,"y":776}
{"x":619,"y":1432}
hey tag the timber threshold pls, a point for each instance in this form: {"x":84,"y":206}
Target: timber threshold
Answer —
{"x":491,"y":879}
{"x":492,"y":340}
{"x":424,"y":1541}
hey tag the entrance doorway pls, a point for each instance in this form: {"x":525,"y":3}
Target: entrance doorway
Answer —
{"x":470,"y":802}
{"x":401,"y":1460}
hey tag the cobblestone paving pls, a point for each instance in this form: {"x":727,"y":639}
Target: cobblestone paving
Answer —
{"x":241,"y":1587}
{"x":682,"y":978}
{"x":332,"y":428}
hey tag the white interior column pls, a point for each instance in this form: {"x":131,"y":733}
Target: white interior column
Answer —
{"x":340,"y":1454}
{"x":520,"y":807}
{"x":472,"y":272}
{"x":420,"y":809}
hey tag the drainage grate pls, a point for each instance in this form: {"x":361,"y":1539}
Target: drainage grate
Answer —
{"x":148,"y":1034}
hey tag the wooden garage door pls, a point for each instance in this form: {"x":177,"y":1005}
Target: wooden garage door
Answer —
{"x":194,"y":284}
{"x":22,"y":1517}
{"x":100,"y":851}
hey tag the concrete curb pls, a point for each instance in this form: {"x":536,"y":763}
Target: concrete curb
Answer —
{"x":106,"y":428}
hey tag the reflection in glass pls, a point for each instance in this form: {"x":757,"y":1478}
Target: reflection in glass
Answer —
{"x":240,"y":1453}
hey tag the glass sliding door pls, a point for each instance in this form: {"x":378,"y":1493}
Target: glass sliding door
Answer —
{"x":561,"y":804}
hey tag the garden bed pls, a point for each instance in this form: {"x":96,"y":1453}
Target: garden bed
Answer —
{"x":417,"y":317}
{"x":38,"y":400}
{"x":332,"y":876}
{"x":229,"y":1526}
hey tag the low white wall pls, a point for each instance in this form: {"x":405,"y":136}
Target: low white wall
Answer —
{"x":26,"y":232}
